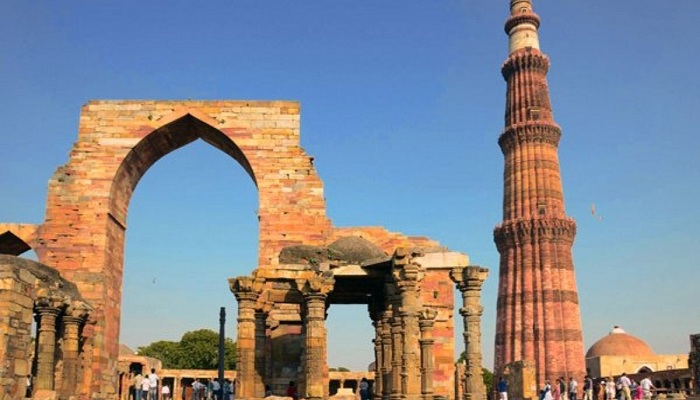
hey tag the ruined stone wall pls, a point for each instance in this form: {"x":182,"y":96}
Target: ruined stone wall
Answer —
{"x":87,"y":205}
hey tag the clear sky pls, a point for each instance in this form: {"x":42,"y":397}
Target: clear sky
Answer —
{"x":402,"y":105}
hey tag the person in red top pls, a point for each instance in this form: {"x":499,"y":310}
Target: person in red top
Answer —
{"x":292,"y":390}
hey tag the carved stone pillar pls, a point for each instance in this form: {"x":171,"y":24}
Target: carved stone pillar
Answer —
{"x":261,"y":347}
{"x":469,"y":281}
{"x":375,"y":312}
{"x":246,"y":289}
{"x":426,"y":322}
{"x":73,"y":320}
{"x":396,"y":351}
{"x":270,"y":324}
{"x":315,"y":290}
{"x":47,"y":312}
{"x":387,"y":345}
{"x":407,"y":276}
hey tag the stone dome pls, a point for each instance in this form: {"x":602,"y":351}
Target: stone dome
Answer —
{"x":619,"y":343}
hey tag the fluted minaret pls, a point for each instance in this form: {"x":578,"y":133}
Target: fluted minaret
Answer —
{"x":538,"y":310}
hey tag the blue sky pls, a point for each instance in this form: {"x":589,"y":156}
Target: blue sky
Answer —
{"x":402,"y":105}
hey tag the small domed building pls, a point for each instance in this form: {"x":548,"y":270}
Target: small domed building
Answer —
{"x":620,"y":352}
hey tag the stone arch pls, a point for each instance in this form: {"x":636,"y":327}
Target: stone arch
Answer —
{"x":645,"y":369}
{"x":88,"y":197}
{"x":169,"y":137}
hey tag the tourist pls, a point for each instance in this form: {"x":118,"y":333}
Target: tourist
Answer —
{"x":610,"y":389}
{"x":215,"y":388}
{"x":573,"y":388}
{"x":634,"y":388}
{"x":546,"y":392}
{"x":364,"y":389}
{"x":28,"y":392}
{"x":227,"y":389}
{"x":562,"y":388}
{"x":556,"y":390}
{"x":292,"y":390}
{"x":502,"y":388}
{"x":625,"y":385}
{"x":197,"y":388}
{"x":268,"y":391}
{"x":587,"y":388}
{"x":136,"y":385}
{"x":153,"y":387}
{"x":165,"y":392}
{"x":145,"y":387}
{"x":647,"y":387}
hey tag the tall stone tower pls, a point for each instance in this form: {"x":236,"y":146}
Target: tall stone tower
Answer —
{"x":538,"y":311}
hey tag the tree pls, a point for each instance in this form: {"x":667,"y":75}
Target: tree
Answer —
{"x":196,"y":350}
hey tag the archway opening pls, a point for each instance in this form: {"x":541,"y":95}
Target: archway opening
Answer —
{"x":192,"y":224}
{"x":350,"y":334}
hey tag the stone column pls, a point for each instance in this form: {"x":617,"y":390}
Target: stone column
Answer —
{"x":375,"y":313}
{"x":426,"y":322}
{"x":396,"y":351}
{"x":469,"y":281}
{"x":378,"y":354}
{"x":246,"y":289}
{"x":315,"y":291}
{"x":261,"y":348}
{"x":387,"y":352}
{"x":48,"y":310}
{"x":407,"y":276}
{"x":271,"y":323}
{"x":73,"y":320}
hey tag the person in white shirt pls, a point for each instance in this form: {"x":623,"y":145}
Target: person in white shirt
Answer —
{"x":153,"y":387}
{"x":647,"y":387}
{"x":625,"y":383}
{"x":145,"y":386}
{"x":165,"y":392}
{"x":573,"y":388}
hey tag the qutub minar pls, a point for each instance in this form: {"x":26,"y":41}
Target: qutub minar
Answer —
{"x":538,"y":316}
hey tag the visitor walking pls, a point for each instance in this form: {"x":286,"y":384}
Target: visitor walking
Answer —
{"x":556,"y":390}
{"x":625,"y":384}
{"x":587,"y":388}
{"x":364,"y":389}
{"x":562,"y":388}
{"x":292,"y":390}
{"x":145,"y":387}
{"x":153,"y":385}
{"x":502,"y":388}
{"x":165,"y":392}
{"x":573,"y":388}
{"x":647,"y":387}
{"x":610,"y":389}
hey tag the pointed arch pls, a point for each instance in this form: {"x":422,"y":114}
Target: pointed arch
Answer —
{"x":169,"y":137}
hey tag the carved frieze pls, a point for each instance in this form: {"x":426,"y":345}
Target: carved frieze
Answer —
{"x":517,"y":233}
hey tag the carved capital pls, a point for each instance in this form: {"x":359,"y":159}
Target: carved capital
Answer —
{"x":469,"y":278}
{"x":426,"y":318}
{"x":245,"y":287}
{"x":318,"y":285}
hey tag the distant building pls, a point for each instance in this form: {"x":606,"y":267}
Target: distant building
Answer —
{"x":620,"y":352}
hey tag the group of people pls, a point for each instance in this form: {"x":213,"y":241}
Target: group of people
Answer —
{"x":212,"y":390}
{"x":623,"y":388}
{"x":626,"y":388}
{"x":145,"y":387}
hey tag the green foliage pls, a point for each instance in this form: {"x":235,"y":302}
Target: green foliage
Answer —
{"x":488,"y":380}
{"x":195,"y":350}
